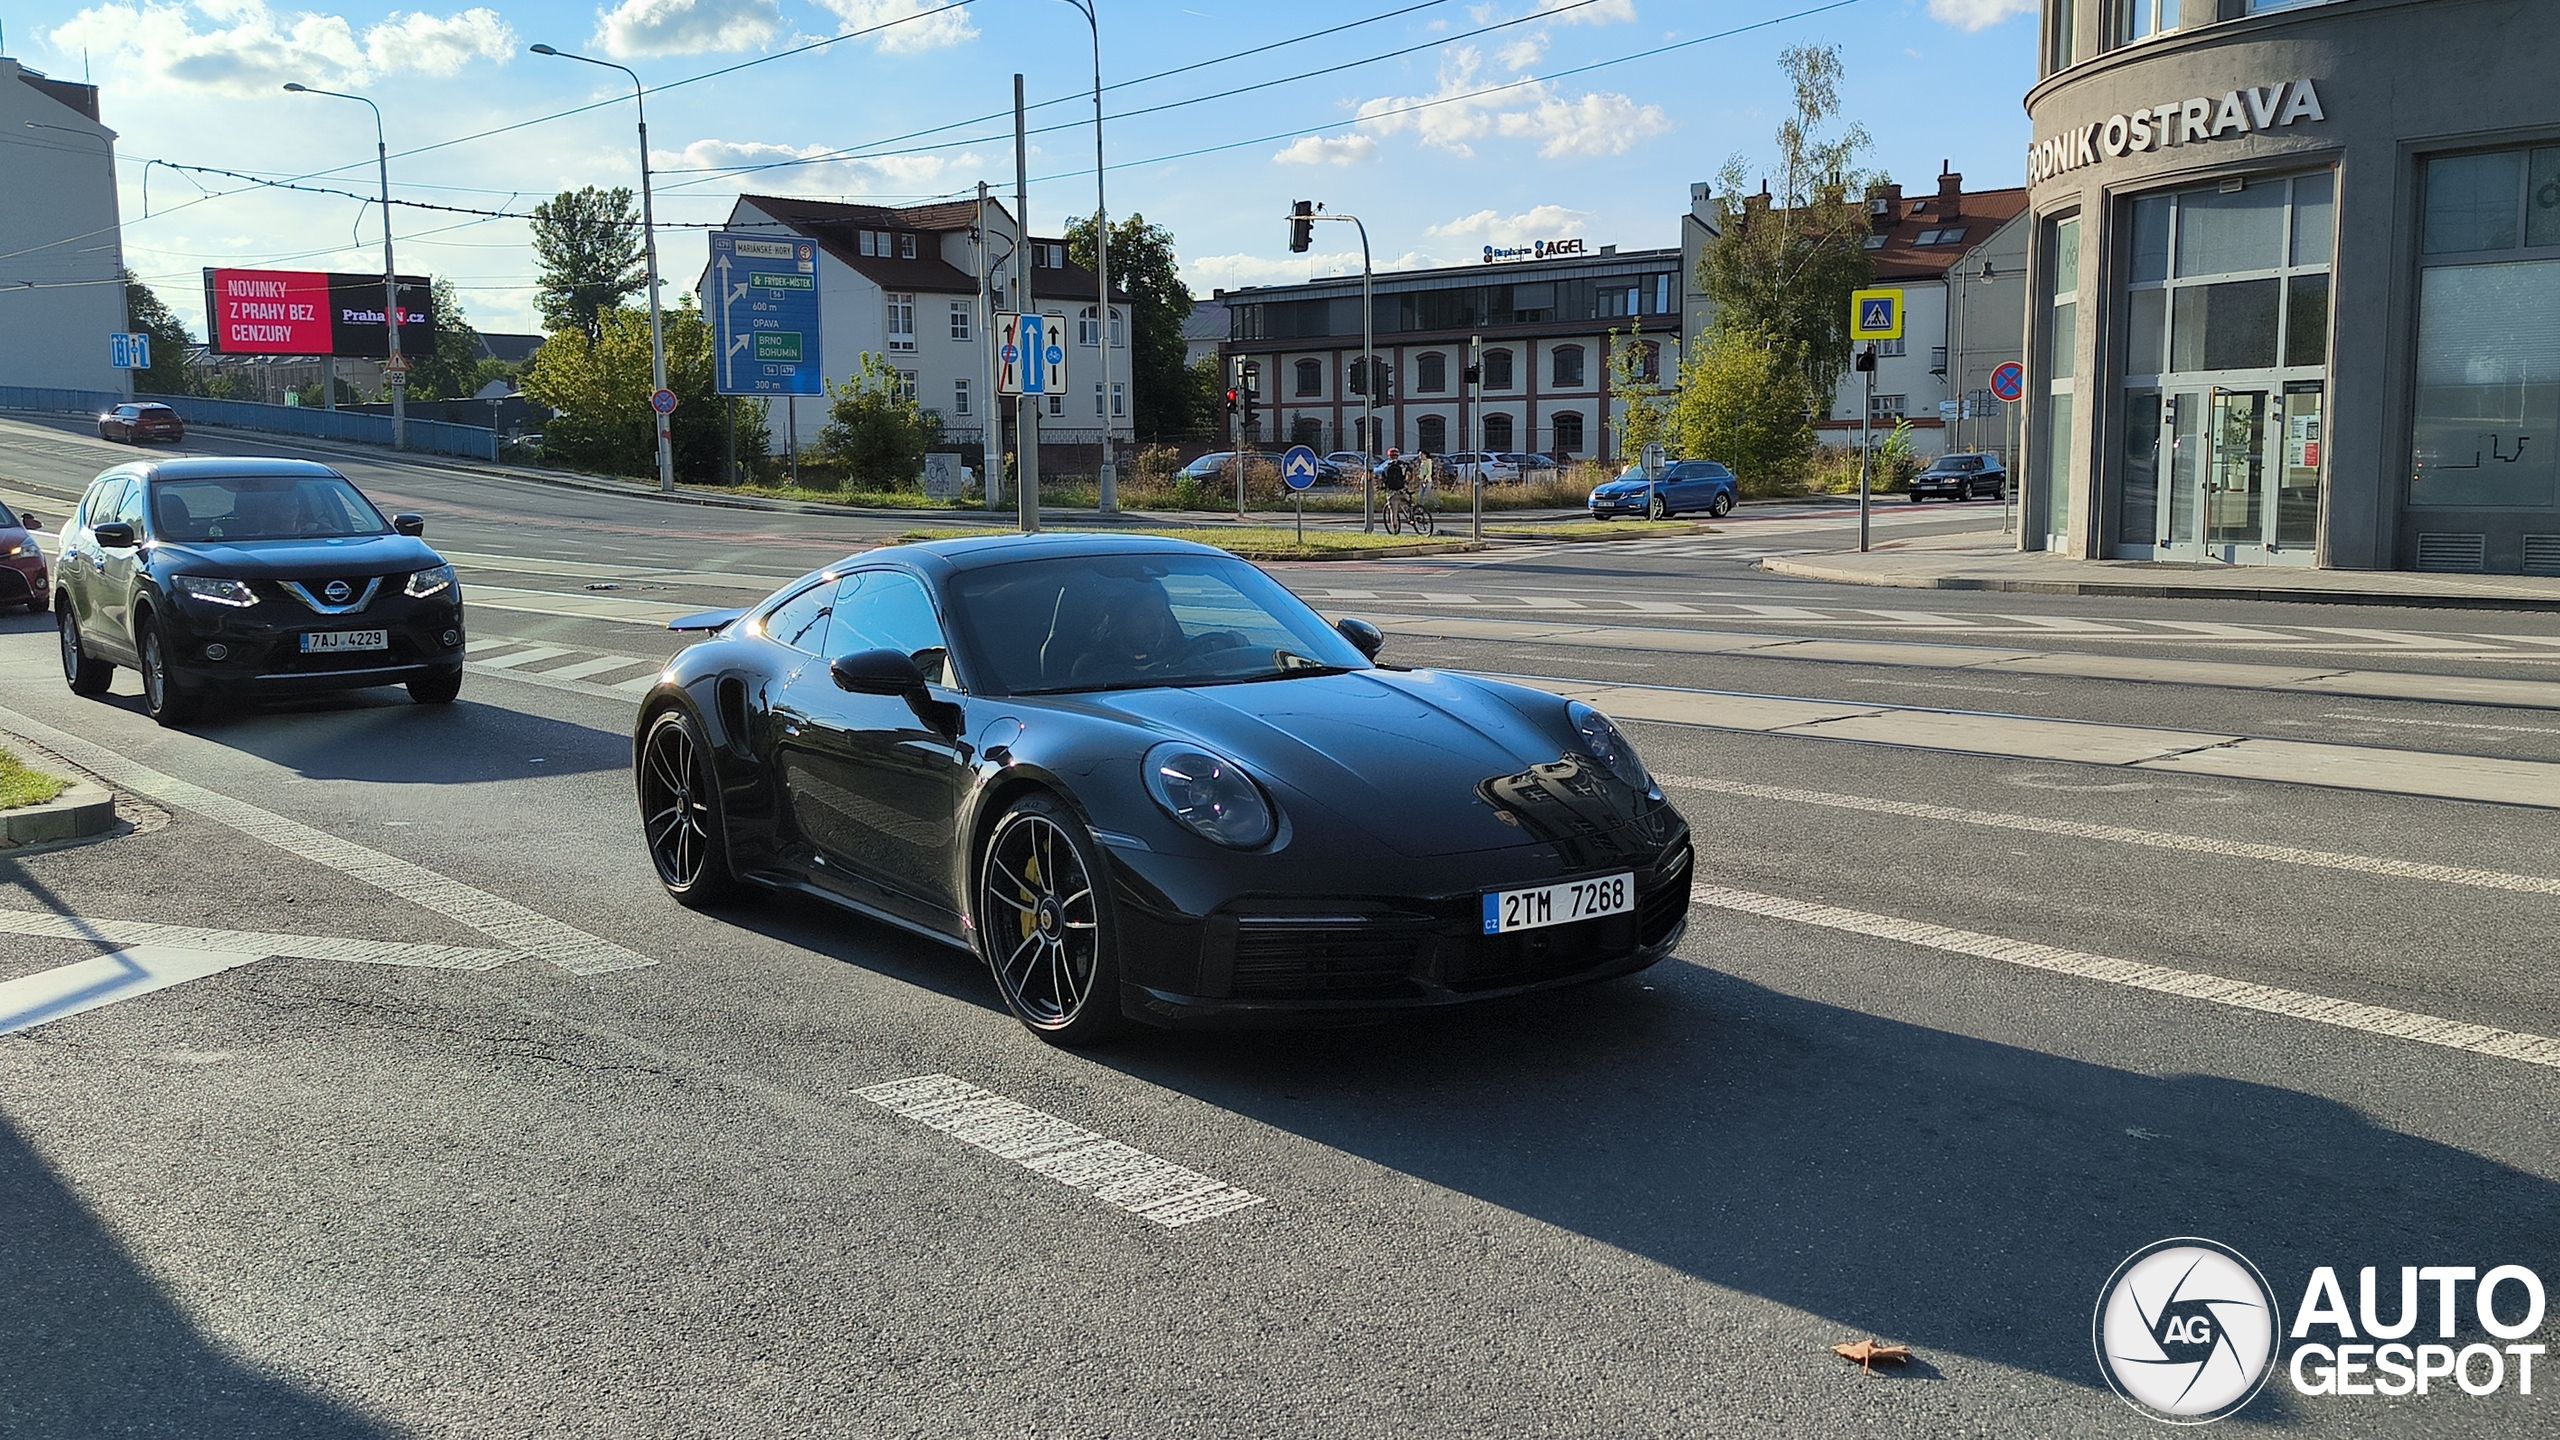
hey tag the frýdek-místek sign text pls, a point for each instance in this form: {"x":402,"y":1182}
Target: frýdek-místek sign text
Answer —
{"x":2246,"y":111}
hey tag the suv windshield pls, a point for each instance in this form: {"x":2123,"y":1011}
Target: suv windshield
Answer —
{"x":1124,"y":622}
{"x":262,"y":507}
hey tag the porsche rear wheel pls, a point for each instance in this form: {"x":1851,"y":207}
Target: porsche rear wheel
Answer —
{"x":1044,"y":923}
{"x":680,"y":813}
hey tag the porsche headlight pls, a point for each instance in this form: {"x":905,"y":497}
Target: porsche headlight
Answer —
{"x":1611,"y":749}
{"x":1210,"y":795}
{"x":218,"y":590}
{"x":424,"y":583}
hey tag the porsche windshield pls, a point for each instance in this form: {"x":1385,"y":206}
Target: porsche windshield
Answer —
{"x":1122,"y":622}
{"x":262,"y":507}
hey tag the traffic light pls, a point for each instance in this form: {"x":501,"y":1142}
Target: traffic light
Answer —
{"x":1252,"y":410}
{"x":1473,"y":374}
{"x":1867,"y":361}
{"x":1302,"y":228}
{"x":1232,"y":396}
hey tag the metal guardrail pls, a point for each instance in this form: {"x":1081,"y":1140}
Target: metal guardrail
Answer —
{"x":433,"y":436}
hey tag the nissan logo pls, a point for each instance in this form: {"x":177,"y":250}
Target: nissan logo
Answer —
{"x":338,"y":592}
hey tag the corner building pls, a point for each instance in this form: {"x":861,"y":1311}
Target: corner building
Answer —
{"x":2295,"y":284}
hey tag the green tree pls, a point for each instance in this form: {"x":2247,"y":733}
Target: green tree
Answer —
{"x":1644,"y":412}
{"x":452,"y":371}
{"x":169,"y":340}
{"x":599,"y":392}
{"x":877,"y":431}
{"x":1784,"y":265}
{"x":1144,"y":266}
{"x":1744,"y":400}
{"x":592,"y":258}
{"x":1205,"y":386}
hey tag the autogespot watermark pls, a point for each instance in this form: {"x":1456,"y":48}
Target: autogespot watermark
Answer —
{"x":2188,"y":1331}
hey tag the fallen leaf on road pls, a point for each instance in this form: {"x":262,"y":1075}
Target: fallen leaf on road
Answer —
{"x":1871,"y":1352}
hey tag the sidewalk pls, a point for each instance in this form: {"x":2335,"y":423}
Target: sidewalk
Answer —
{"x":1985,"y":562}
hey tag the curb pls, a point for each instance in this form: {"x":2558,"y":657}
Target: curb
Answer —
{"x":2161,"y":590}
{"x":83,"y":810}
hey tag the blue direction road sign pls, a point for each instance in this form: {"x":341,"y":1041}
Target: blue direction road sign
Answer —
{"x":129,"y":352}
{"x":1298,"y":467}
{"x":2009,"y":381}
{"x":764,"y":308}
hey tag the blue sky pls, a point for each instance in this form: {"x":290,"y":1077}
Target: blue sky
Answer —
{"x":1473,"y":135}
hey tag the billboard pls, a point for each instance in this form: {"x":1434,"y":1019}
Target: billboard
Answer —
{"x":312,"y":312}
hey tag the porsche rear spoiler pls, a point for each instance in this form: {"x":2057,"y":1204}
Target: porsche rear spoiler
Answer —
{"x":707,"y":620}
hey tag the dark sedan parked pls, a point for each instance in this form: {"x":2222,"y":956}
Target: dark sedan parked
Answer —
{"x":1142,"y":781}
{"x":250,"y":577}
{"x":1961,"y":477}
{"x":134,"y":424}
{"x":22,"y":574}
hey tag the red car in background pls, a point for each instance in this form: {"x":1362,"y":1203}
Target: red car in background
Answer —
{"x":134,"y":424}
{"x":22,"y":575}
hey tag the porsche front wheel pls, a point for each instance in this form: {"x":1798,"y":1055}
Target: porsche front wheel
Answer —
{"x":1044,"y":923}
{"x":680,"y":813}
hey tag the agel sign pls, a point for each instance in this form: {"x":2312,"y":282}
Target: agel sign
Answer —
{"x":1537,"y":250}
{"x":2246,"y":111}
{"x":310,"y":312}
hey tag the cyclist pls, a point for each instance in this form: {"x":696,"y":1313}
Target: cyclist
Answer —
{"x":1393,"y":474}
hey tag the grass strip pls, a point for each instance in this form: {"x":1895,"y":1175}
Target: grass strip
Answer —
{"x":20,"y":786}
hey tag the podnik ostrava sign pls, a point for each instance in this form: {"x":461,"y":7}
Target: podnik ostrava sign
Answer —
{"x":2250,"y":110}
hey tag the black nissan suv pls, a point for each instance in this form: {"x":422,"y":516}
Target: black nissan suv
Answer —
{"x":248,"y":577}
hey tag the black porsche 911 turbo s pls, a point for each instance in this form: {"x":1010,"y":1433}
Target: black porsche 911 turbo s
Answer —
{"x":1143,"y":781}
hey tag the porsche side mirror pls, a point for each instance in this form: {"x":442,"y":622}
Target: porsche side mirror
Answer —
{"x":878,"y":672}
{"x":1363,"y":635}
{"x":409,"y":524}
{"x":114,"y":535}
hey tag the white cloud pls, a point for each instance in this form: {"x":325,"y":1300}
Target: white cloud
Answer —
{"x":247,"y":49}
{"x":1978,"y":14}
{"x":687,"y":27}
{"x":1596,"y":124}
{"x":1607,"y":12}
{"x":1521,"y":54}
{"x":950,"y":27}
{"x":1544,"y":222}
{"x":1461,"y":111}
{"x":888,"y":175}
{"x":1348,"y":149}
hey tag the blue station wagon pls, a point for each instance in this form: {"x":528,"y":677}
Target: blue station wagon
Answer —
{"x":1685,"y":487}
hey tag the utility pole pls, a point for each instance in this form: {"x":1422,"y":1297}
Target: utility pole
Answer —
{"x":1027,"y":422}
{"x":1301,"y":228}
{"x":1474,"y":376}
{"x":991,"y":428}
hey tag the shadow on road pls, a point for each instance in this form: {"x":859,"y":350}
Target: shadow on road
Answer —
{"x":1955,"y":1194}
{"x":95,"y":1347}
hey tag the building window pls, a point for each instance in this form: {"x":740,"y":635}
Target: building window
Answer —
{"x":1432,"y":433}
{"x":1662,"y":294}
{"x":959,"y":397}
{"x":1119,"y":329}
{"x":1568,"y":433}
{"x":907,"y":385}
{"x":1057,"y":404}
{"x":1649,"y":363}
{"x":2061,"y":33}
{"x":2489,"y":333}
{"x":960,"y":319}
{"x":1567,"y":366}
{"x":906,"y":247}
{"x":1497,"y":369}
{"x":1119,"y":400}
{"x":1310,"y":377}
{"x":1306,"y":430}
{"x":1097,"y":398}
{"x":1088,"y":329}
{"x":1888,"y":348}
{"x":2061,"y":335}
{"x":1885,"y":409}
{"x":1497,"y":432}
{"x":2132,"y":20}
{"x":902,"y":321}
{"x":1431,"y":374}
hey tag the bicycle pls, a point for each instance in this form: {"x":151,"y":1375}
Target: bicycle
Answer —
{"x":1404,"y":509}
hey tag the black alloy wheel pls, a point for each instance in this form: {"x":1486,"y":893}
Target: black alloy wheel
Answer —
{"x":1659,"y":508}
{"x":83,"y":673}
{"x":1043,"y":924}
{"x":437,"y":689}
{"x":162,"y":696}
{"x":680,"y":813}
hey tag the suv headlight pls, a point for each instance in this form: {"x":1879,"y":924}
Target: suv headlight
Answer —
{"x":1210,"y":795}
{"x":216,"y":590}
{"x":1611,"y":749}
{"x":429,"y":582}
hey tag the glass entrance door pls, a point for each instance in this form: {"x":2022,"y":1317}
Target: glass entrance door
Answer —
{"x":2235,"y":473}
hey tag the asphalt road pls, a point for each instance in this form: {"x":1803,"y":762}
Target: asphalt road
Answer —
{"x":1901,"y":1080}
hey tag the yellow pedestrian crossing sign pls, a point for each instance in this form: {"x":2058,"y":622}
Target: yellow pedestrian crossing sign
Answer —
{"x":1875,"y":315}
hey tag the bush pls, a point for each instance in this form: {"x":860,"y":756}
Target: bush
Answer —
{"x":876,"y":436}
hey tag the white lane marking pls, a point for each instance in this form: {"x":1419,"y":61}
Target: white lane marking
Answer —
{"x":637,"y":684}
{"x":1545,"y":602}
{"x":67,"y":990}
{"x":2442,"y":724}
{"x":505,"y":921}
{"x":1659,"y":607}
{"x":526,"y":657}
{"x":290,"y":947}
{"x":2524,"y":1047}
{"x":597,"y":666}
{"x":1149,"y":1188}
{"x":653,"y":613}
{"x":2126,"y":835}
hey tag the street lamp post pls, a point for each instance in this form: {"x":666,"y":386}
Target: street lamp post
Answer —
{"x":1368,"y":369}
{"x":394,"y":368}
{"x":649,"y":242}
{"x":1110,"y":499}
